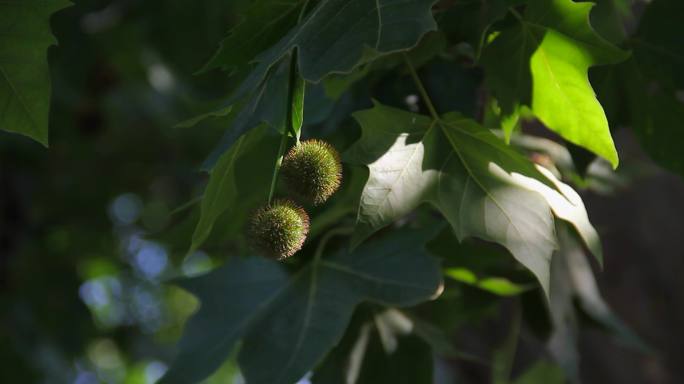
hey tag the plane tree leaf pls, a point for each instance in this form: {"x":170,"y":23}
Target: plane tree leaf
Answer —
{"x":484,"y":188}
{"x":326,"y":42}
{"x":24,"y":74}
{"x":262,"y":25}
{"x":469,"y":21}
{"x":310,"y":317}
{"x":267,"y":104}
{"x":229,"y":188}
{"x":230,"y":298}
{"x":289,"y":323}
{"x":547,"y":57}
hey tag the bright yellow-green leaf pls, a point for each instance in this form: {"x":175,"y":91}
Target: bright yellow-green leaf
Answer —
{"x":543,"y":63}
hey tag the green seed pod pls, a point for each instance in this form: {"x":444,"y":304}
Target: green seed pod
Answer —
{"x":312,"y":171}
{"x":278,"y":230}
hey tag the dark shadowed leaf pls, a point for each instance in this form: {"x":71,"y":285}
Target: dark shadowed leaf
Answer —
{"x":264,"y":23}
{"x":310,"y":316}
{"x":266,"y":105}
{"x":227,"y":190}
{"x":328,"y":43}
{"x":651,"y":84}
{"x":291,"y":330}
{"x":479,"y":264}
{"x":231,"y":296}
{"x":24,"y":73}
{"x":469,"y":21}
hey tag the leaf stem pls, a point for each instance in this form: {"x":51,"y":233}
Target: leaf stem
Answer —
{"x":516,"y":14}
{"x":329,"y":235}
{"x":276,"y":166}
{"x":305,"y":9}
{"x":421,"y":88}
{"x":186,"y":205}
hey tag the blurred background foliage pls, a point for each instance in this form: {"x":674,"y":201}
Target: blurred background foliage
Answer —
{"x":91,"y":229}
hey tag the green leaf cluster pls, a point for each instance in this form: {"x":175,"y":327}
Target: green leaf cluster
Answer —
{"x":418,"y":153}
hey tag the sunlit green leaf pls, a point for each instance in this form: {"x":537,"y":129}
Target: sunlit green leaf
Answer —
{"x":496,"y":285}
{"x":548,"y":54}
{"x":484,"y":188}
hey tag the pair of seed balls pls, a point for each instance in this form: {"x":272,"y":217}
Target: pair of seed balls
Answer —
{"x":312,"y":172}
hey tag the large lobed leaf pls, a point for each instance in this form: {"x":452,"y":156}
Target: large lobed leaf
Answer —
{"x":230,"y":298}
{"x":542,"y":63}
{"x":287,"y":324}
{"x":484,"y":188}
{"x":327,"y":42}
{"x":24,"y":73}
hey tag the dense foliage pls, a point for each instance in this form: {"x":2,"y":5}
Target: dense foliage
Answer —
{"x":464,"y":128}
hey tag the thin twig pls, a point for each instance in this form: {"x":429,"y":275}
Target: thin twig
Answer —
{"x":329,"y":235}
{"x":421,"y":88}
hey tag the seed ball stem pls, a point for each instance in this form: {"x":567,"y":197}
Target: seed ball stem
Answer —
{"x":278,"y":230}
{"x":312,"y":171}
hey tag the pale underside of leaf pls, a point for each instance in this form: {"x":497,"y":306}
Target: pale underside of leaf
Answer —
{"x":484,"y":188}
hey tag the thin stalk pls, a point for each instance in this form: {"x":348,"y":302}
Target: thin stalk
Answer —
{"x":186,"y":205}
{"x":329,"y":235}
{"x":287,"y":128}
{"x":515,"y":13}
{"x":276,"y":166}
{"x":305,"y":9}
{"x":421,"y":88}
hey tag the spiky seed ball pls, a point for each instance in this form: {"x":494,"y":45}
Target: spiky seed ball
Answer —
{"x":312,"y":171}
{"x":278,"y":230}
